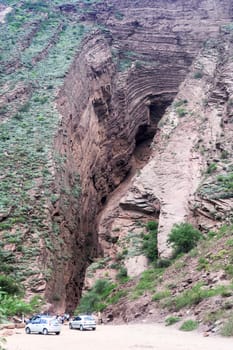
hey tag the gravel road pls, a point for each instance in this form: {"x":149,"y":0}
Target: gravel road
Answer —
{"x":123,"y":337}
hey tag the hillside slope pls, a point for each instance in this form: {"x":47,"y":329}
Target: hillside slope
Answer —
{"x":113,"y":114}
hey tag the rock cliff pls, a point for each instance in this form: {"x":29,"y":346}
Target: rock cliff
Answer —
{"x":144,"y":132}
{"x":137,"y":111}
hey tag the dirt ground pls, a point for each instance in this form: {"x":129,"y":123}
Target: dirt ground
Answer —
{"x":123,"y":337}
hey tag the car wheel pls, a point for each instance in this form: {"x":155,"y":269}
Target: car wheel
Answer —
{"x":28,"y":330}
{"x":57,"y":333}
{"x":45,"y":331}
{"x":70,"y":326}
{"x":93,"y":329}
{"x":81,"y":327}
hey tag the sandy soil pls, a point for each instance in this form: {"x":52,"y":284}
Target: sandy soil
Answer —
{"x":123,"y":337}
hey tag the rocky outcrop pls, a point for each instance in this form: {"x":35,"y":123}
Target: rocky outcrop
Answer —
{"x":144,"y":134}
{"x":116,"y":100}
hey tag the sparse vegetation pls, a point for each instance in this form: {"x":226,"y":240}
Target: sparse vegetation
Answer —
{"x":147,"y":282}
{"x":12,"y":305}
{"x":172,"y":320}
{"x":161,"y":295}
{"x":227,"y":328}
{"x":203,"y":264}
{"x":180,"y":103}
{"x":96,"y":299}
{"x":221,"y":185}
{"x":211,"y":168}
{"x":122,"y":275}
{"x":226,"y":182}
{"x":189,"y":325}
{"x":193,"y":296}
{"x":9,"y":286}
{"x":181,"y":112}
{"x":198,"y":75}
{"x":150,"y":241}
{"x":41,"y":42}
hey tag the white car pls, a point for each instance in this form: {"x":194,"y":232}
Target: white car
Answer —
{"x":83,"y":322}
{"x":43,"y":325}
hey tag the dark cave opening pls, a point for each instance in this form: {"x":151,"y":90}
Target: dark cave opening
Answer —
{"x":146,"y":132}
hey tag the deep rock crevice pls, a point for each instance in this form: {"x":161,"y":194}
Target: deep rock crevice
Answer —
{"x":111,"y":108}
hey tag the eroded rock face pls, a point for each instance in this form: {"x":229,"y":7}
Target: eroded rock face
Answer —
{"x":113,"y":105}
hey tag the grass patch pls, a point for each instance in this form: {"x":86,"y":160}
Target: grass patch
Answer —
{"x":161,"y":295}
{"x":227,"y":328}
{"x":95,"y":299}
{"x":189,"y":325}
{"x":193,"y":296}
{"x":172,"y":320}
{"x":147,"y":282}
{"x":181,"y":112}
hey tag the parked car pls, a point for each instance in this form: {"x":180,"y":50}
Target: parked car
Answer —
{"x":44,"y":325}
{"x":83,"y":322}
{"x":34,"y":317}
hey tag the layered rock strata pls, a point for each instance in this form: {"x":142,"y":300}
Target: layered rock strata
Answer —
{"x":113,"y":103}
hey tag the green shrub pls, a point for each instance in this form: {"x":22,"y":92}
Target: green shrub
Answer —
{"x":122,"y":275}
{"x":103,"y":287}
{"x":163,"y":263}
{"x":202,"y":264}
{"x":183,"y":237}
{"x":181,"y":112}
{"x":189,"y":325}
{"x":171,"y":320}
{"x":226,"y":181}
{"x":9,"y":286}
{"x":148,"y":281}
{"x":12,"y":305}
{"x":161,"y":295}
{"x":113,"y":299}
{"x":229,"y":270}
{"x":198,"y":75}
{"x":211,"y":168}
{"x":180,"y":103}
{"x":149,"y":245}
{"x":227,"y":328}
{"x":96,"y":298}
{"x":151,"y":225}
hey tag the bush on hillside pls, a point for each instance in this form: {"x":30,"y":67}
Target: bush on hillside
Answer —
{"x":183,"y":237}
{"x":95,"y":299}
{"x":9,"y":286}
{"x":189,"y":326}
{"x":150,"y":241}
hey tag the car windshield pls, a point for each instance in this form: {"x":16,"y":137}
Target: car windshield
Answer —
{"x":88,"y":318}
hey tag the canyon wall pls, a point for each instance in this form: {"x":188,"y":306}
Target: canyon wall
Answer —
{"x":140,"y":131}
{"x":132,"y":114}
